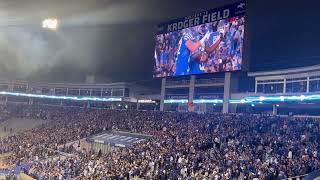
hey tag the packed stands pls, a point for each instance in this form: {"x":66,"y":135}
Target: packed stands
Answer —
{"x":184,"y":145}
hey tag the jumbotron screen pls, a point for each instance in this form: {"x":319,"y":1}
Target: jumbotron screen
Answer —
{"x":208,"y":42}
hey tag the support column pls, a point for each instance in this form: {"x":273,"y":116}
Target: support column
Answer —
{"x":226,"y":94}
{"x":256,"y":87}
{"x":163,"y":93}
{"x":284,"y":86}
{"x":233,"y":108}
{"x":138,"y":105}
{"x":274,"y":110}
{"x":88,"y":104}
{"x":191,"y":92}
{"x":30,"y":101}
{"x":308,"y":84}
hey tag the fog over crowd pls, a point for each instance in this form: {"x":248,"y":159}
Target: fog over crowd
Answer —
{"x":113,"y":37}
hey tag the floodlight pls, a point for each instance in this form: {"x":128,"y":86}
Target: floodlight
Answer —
{"x":50,"y":23}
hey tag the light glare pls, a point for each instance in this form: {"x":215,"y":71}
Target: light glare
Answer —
{"x":262,"y":98}
{"x":50,"y":24}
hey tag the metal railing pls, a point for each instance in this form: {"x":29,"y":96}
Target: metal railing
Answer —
{"x":177,"y":83}
{"x":209,"y":81}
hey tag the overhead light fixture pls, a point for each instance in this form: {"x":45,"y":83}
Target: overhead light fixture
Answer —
{"x":50,"y":23}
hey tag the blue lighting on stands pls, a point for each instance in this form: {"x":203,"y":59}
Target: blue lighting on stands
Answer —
{"x":196,"y":101}
{"x":253,"y":99}
{"x":246,"y":100}
{"x":60,"y":97}
{"x":233,"y":101}
{"x":171,"y":101}
{"x":313,"y":97}
{"x":209,"y":101}
{"x":240,"y":101}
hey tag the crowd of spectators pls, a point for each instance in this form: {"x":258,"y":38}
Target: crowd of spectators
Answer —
{"x":184,"y":145}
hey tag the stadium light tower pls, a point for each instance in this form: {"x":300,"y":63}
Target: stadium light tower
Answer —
{"x":50,"y":23}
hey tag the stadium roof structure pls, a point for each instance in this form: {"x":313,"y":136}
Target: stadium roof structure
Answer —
{"x":119,"y":138}
{"x":299,"y":70}
{"x":66,"y":85}
{"x":97,"y":12}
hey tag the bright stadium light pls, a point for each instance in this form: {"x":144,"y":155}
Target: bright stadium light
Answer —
{"x":262,"y":98}
{"x":50,"y":24}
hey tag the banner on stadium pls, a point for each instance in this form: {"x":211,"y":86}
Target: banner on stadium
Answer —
{"x":177,"y":97}
{"x":209,"y":96}
{"x":210,"y":16}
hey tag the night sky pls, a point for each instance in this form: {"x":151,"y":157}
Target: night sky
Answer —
{"x":280,"y":34}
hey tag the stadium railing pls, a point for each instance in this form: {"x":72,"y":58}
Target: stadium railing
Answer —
{"x":209,"y":81}
{"x":173,"y":83}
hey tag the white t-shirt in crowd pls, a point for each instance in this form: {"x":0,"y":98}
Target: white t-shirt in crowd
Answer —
{"x":290,"y":154}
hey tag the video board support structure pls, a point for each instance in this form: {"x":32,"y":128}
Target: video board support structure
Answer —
{"x":191,"y":92}
{"x":163,"y":93}
{"x":227,"y":91}
{"x":308,"y":84}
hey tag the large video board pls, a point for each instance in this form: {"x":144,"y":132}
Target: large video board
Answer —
{"x":207,"y":42}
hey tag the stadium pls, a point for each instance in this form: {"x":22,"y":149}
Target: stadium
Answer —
{"x":116,"y":90}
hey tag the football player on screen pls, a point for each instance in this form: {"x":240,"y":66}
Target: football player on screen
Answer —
{"x":200,"y":56}
{"x":188,"y":45}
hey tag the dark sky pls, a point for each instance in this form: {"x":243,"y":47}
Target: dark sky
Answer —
{"x":283,"y":33}
{"x":280,"y":34}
